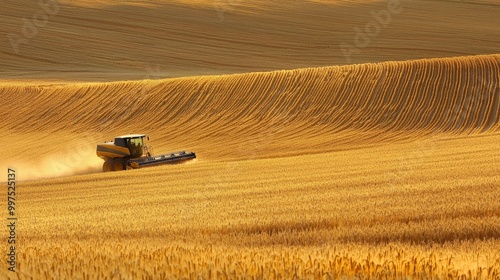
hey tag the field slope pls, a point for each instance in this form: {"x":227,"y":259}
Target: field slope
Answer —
{"x":261,"y":115}
{"x":384,"y":169}
{"x":310,"y":165}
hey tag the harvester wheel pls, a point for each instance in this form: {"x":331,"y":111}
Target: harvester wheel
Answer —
{"x":107,"y":165}
{"x":118,"y":164}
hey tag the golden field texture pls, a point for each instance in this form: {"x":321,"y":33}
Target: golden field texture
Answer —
{"x":422,"y":210}
{"x":259,"y":115}
{"x":101,"y":40}
{"x":385,"y":169}
{"x":373,"y":178}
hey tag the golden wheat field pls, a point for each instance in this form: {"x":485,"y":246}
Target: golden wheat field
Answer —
{"x":335,"y":139}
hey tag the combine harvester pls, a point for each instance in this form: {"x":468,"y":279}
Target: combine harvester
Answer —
{"x":129,"y":152}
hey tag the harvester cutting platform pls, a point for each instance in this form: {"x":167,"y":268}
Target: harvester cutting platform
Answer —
{"x":129,"y":152}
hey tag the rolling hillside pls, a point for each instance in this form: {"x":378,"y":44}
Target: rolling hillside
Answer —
{"x":312,"y":163}
{"x":103,"y":41}
{"x":260,"y":115}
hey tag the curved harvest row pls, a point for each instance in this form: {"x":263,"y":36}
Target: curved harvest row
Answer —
{"x":268,"y":114}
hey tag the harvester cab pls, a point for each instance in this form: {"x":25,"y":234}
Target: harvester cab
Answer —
{"x":129,"y":151}
{"x":135,"y":144}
